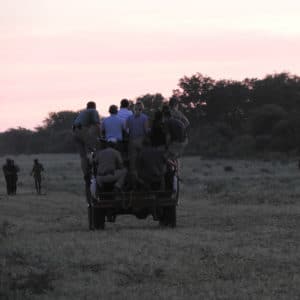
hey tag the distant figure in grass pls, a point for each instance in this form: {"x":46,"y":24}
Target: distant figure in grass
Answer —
{"x":10,"y":171}
{"x":86,"y":132}
{"x":36,"y":172}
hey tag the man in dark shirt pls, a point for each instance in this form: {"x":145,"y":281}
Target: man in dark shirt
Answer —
{"x":157,"y":133}
{"x":177,"y":114}
{"x":86,"y":132}
{"x":151,"y":166}
{"x":36,"y":172}
{"x":138,"y":128}
{"x":176,"y":135}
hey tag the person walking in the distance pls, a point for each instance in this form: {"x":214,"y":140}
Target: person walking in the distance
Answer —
{"x":7,"y":170}
{"x":36,"y":172}
{"x":10,"y":171}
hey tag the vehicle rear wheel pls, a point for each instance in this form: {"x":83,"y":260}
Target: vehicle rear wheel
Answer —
{"x":99,"y":218}
{"x":168,"y":216}
{"x":177,"y":192}
{"x":91,"y":217}
{"x":171,"y":216}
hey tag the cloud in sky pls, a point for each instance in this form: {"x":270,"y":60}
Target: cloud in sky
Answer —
{"x":56,"y":54}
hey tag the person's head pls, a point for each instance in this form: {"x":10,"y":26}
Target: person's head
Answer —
{"x":113,"y":109}
{"x":35,"y":160}
{"x":91,"y":105}
{"x":124,"y":103}
{"x":138,"y":108}
{"x":173,"y":103}
{"x":8,"y":161}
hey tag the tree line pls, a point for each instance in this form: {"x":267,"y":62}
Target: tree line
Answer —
{"x":228,"y":118}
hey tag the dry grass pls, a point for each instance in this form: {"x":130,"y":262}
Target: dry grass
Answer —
{"x":237,"y":237}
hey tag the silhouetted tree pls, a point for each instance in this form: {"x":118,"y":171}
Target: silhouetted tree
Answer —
{"x":151,"y":102}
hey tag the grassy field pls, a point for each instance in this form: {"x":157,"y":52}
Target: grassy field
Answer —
{"x":237,"y":237}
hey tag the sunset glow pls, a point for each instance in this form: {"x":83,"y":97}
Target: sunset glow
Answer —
{"x":57,"y":54}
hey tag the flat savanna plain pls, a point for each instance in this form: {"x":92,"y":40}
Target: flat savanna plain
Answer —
{"x":237,"y":237}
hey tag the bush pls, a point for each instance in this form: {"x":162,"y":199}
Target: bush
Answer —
{"x":243,"y":146}
{"x":264,"y":118}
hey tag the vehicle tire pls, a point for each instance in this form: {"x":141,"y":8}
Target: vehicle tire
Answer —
{"x":170,"y":216}
{"x":177,"y":192}
{"x":99,"y":218}
{"x":91,"y":217}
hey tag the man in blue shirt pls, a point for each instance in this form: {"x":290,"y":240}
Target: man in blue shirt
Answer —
{"x":138,"y":128}
{"x":113,"y":126}
{"x":124,"y":112}
{"x":86,"y":132}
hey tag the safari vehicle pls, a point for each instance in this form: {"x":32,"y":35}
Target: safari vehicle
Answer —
{"x":161,"y":204}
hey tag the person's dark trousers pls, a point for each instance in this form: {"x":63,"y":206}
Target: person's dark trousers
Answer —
{"x":9,"y":184}
{"x":38,"y":184}
{"x":14,"y":185}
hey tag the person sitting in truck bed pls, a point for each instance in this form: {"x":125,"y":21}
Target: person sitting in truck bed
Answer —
{"x":151,"y":166}
{"x":110,"y":167}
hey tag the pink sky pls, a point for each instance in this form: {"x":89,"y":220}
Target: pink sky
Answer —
{"x":57,"y":54}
